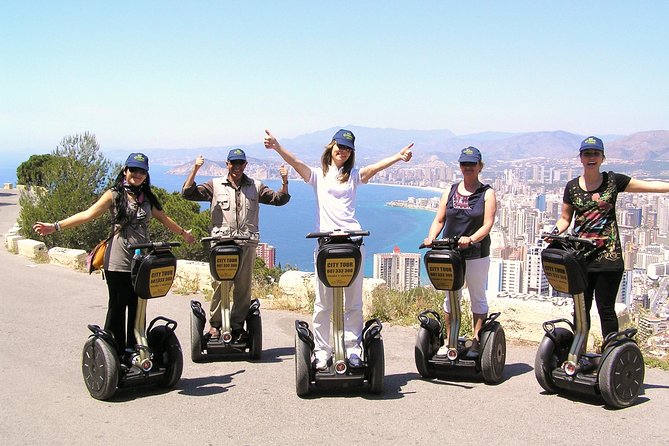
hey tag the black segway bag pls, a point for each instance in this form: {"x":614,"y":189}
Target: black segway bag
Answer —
{"x":338,"y":263}
{"x":565,"y":268}
{"x":446,"y":269}
{"x":152,"y":274}
{"x":224,"y":261}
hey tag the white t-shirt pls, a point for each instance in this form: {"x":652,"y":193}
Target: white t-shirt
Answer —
{"x":335,"y":201}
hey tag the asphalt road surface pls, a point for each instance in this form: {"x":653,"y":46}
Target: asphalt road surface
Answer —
{"x":43,"y":400}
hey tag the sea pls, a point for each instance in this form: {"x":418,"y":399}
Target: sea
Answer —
{"x":285,"y":227}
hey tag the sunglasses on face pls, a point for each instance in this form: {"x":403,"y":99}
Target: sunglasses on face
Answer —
{"x":591,"y":153}
{"x":468,"y":164}
{"x":138,"y":170}
{"x":344,"y":148}
{"x":237,"y":162}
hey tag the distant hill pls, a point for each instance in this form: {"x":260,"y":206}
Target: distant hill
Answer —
{"x":376,"y":143}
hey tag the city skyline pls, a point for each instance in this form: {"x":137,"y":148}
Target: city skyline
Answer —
{"x":173,"y":75}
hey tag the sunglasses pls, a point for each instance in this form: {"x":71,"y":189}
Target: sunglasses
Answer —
{"x":237,"y":162}
{"x":468,"y":164}
{"x":138,"y":170}
{"x":591,"y":153}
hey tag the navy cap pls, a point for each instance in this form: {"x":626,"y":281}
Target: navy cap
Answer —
{"x":470,"y":155}
{"x":344,"y":138}
{"x":236,"y":154}
{"x":138,"y":160}
{"x":592,"y":143}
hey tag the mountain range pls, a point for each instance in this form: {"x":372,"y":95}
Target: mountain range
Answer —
{"x":376,"y":143}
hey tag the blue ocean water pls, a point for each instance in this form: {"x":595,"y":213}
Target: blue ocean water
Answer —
{"x":285,"y":227}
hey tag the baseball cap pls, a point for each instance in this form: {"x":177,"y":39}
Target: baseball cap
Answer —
{"x":592,"y":143}
{"x":138,"y":160}
{"x":470,"y":155}
{"x":344,"y":137}
{"x":236,"y":154}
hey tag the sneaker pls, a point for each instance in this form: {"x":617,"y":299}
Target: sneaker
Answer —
{"x":321,"y":364}
{"x":239,"y":336}
{"x":354,"y":360}
{"x":443,"y":350}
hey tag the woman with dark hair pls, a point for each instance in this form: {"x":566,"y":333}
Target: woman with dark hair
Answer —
{"x":590,"y":200}
{"x":132,"y":203}
{"x":335,"y":184}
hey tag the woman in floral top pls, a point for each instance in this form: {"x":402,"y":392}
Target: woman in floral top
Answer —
{"x":591,"y":199}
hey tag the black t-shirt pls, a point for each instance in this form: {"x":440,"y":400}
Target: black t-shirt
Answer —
{"x":595,"y":218}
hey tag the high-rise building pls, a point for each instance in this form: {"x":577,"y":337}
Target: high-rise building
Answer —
{"x":536,"y":281}
{"x":401,"y":271}
{"x":267,"y":253}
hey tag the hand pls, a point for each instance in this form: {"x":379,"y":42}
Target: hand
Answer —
{"x":427,"y":241}
{"x":405,"y":153}
{"x":199,"y":161}
{"x":464,"y":242}
{"x":283,"y":172}
{"x":188,"y":237}
{"x":270,"y":141}
{"x":44,"y":228}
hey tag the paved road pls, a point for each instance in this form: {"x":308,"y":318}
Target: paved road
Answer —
{"x":43,"y":315}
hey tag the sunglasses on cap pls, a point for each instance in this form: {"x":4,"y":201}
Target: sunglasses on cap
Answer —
{"x":138,"y":170}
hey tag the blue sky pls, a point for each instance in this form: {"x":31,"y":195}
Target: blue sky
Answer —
{"x":167,"y":74}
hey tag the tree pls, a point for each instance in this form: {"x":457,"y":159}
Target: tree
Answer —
{"x":31,"y":172}
{"x":72,"y":179}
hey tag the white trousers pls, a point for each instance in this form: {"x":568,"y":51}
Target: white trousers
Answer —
{"x":353,"y":320}
{"x":476,"y":277}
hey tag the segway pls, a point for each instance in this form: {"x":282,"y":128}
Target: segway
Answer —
{"x":562,"y":363}
{"x":338,"y":262}
{"x":157,"y":357}
{"x":224,"y":258}
{"x":446,"y":269}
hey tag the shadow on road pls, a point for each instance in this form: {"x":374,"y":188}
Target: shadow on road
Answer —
{"x":207,"y":385}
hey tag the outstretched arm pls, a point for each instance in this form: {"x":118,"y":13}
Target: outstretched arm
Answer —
{"x":173,"y":226}
{"x":300,"y":167}
{"x":647,"y":186}
{"x":98,"y":208}
{"x":565,"y":218}
{"x":367,"y":172}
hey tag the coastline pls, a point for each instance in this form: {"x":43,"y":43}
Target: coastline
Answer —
{"x":407,"y":186}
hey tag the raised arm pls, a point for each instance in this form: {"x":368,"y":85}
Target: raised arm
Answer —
{"x":367,"y":172}
{"x":190,"y":179}
{"x":300,"y":167}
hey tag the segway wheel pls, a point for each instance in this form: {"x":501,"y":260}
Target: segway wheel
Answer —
{"x":100,"y":367}
{"x":302,"y":367}
{"x":549,"y":356}
{"x":621,"y":375}
{"x":165,"y":345}
{"x":376,"y":366}
{"x":254,"y":326}
{"x":493,"y":355}
{"x":196,"y":330}
{"x":423,"y":353}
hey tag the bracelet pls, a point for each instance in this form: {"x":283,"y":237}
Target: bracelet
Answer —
{"x":285,"y":183}
{"x":56,"y":226}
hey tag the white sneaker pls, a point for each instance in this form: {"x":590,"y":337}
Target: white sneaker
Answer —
{"x":443,"y":350}
{"x":321,"y":363}
{"x":354,"y":360}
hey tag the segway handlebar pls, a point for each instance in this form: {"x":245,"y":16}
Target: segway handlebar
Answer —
{"x":225,"y":238}
{"x":572,"y":239}
{"x":448,"y":242}
{"x":154,"y":245}
{"x":338,"y":233}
